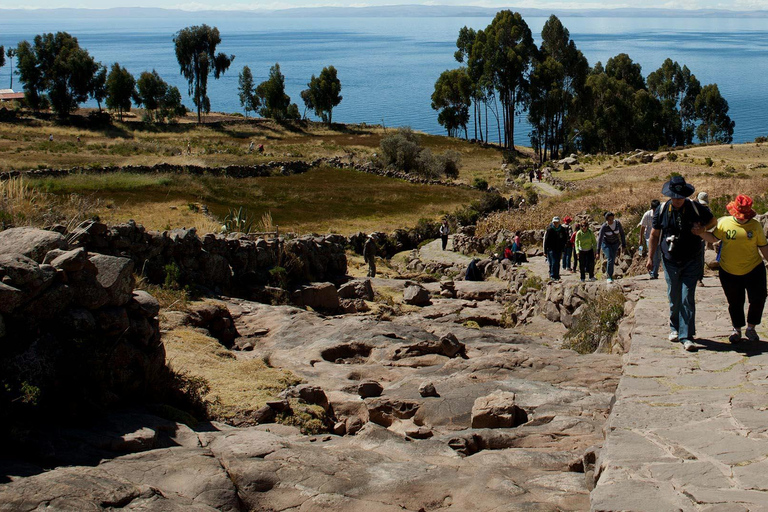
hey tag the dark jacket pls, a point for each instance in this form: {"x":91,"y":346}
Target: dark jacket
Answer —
{"x":555,"y":238}
{"x":369,"y":250}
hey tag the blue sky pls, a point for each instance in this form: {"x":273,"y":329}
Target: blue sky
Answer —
{"x":282,"y":4}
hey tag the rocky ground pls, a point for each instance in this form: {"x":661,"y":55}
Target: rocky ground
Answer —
{"x":432,"y":403}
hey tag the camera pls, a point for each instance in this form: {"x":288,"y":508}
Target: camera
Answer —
{"x":671,"y":240}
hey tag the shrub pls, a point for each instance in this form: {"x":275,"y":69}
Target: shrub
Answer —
{"x":449,"y":163}
{"x":761,"y":139}
{"x":480,"y":184}
{"x":401,"y":149}
{"x":597,"y":323}
{"x":708,"y":161}
{"x":672,"y":157}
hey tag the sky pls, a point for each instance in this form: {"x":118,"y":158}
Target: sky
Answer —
{"x":282,"y":4}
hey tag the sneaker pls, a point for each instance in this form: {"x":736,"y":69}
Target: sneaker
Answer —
{"x":673,"y":336}
{"x":751,"y":335}
{"x":582,"y":280}
{"x":592,"y":279}
{"x":735,"y":336}
{"x":689,"y":346}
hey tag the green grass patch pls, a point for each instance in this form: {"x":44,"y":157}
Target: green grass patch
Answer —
{"x":597,"y":322}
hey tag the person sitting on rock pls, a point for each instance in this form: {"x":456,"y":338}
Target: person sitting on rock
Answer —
{"x":473,"y":272}
{"x":742,"y":272}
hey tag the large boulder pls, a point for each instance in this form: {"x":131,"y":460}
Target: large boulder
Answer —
{"x":116,"y":276}
{"x":357,"y":289}
{"x":31,"y":242}
{"x":497,"y":410}
{"x":319,"y":296}
{"x":416,"y":295}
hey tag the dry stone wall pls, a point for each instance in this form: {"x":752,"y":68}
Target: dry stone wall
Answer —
{"x":232,"y":265}
{"x":72,"y":327}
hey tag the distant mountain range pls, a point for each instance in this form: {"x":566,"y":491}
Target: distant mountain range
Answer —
{"x":404,"y":11}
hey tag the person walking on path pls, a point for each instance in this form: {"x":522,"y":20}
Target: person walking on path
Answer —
{"x":369,"y":255}
{"x":586,"y":243}
{"x":530,"y":174}
{"x":646,"y":226}
{"x":444,"y":231}
{"x":675,"y":226}
{"x":609,"y":240}
{"x":568,"y":249}
{"x":575,"y":254}
{"x":741,"y":265}
{"x":554,"y":243}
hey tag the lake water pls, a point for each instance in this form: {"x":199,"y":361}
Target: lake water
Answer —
{"x":388,"y":66}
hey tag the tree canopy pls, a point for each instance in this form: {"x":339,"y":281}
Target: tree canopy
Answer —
{"x":275,"y":103}
{"x":121,"y":88}
{"x":452,"y":97}
{"x":197,"y":58}
{"x":55,"y":69}
{"x":323,"y":93}
{"x":247,"y":91}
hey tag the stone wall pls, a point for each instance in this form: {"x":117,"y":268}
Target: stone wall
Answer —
{"x":232,"y":264}
{"x":72,"y":327}
{"x":233,"y":171}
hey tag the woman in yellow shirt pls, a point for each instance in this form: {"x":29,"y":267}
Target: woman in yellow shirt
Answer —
{"x":741,"y":265}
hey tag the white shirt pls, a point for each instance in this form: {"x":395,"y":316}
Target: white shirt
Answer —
{"x":647,"y":223}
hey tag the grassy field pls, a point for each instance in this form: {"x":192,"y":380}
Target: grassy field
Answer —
{"x":24,"y":144}
{"x":322,"y":200}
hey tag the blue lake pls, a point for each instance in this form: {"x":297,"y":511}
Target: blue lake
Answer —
{"x":388,"y":66}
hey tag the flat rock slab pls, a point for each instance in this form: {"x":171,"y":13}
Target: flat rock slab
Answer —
{"x":688,"y":429}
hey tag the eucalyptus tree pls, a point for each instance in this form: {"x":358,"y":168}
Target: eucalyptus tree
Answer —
{"x":121,"y":88}
{"x":453,"y":97}
{"x":247,"y":91}
{"x":55,"y":69}
{"x":197,"y":58}
{"x":712,"y":109}
{"x":323,"y":93}
{"x":508,"y":52}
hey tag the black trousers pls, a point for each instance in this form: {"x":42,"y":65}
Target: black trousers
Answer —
{"x":444,"y":238}
{"x":754,"y":284}
{"x":587,"y":263}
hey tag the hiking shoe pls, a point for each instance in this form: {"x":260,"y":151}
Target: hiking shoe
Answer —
{"x":673,"y":336}
{"x":689,"y":346}
{"x":592,"y":279}
{"x":735,"y":336}
{"x":582,"y":280}
{"x":751,"y":335}
{"x":610,"y":279}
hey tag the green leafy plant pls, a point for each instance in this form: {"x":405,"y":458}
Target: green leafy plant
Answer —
{"x":239,"y":220}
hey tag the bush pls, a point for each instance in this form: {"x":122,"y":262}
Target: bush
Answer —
{"x":761,"y":139}
{"x":449,"y":163}
{"x":709,"y":162}
{"x":672,"y":157}
{"x":480,"y":184}
{"x":401,"y":149}
{"x":597,"y":323}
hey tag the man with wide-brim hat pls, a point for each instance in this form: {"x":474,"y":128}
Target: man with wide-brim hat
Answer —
{"x":675,"y":227}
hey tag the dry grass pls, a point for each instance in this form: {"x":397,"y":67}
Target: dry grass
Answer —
{"x":237,"y":387}
{"x":628,"y":190}
{"x":23,"y":205}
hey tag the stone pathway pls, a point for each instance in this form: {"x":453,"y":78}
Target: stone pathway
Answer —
{"x":545,"y":189}
{"x":433,"y":252}
{"x":688,"y":431}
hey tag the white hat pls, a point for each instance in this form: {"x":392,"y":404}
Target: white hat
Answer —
{"x":555,"y":219}
{"x":703,"y":198}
